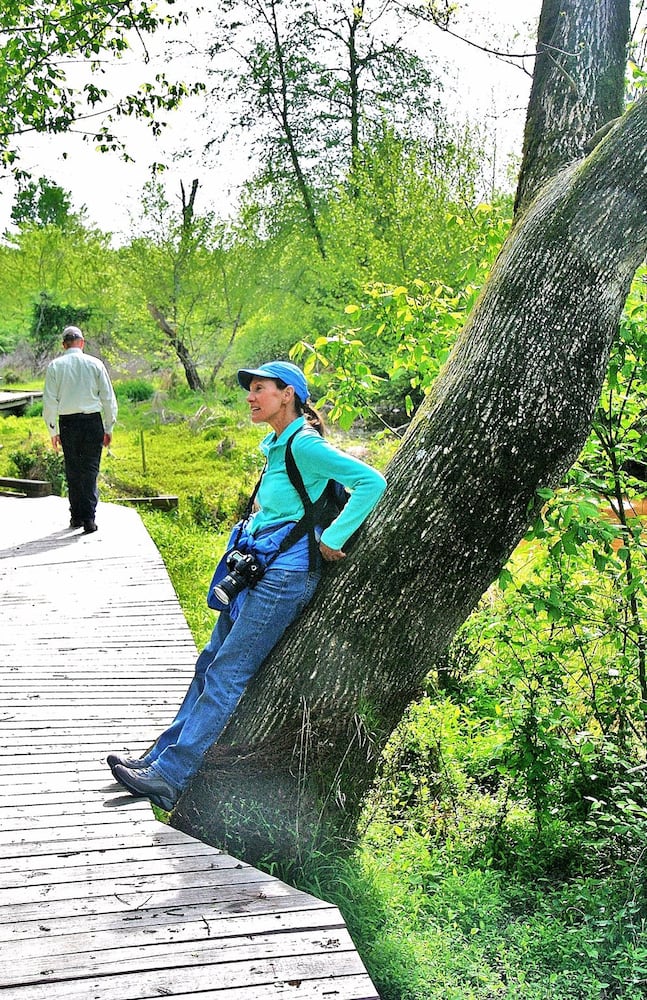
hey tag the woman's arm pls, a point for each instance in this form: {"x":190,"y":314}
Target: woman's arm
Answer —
{"x":319,"y":461}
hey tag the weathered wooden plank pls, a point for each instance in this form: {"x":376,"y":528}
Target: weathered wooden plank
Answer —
{"x":282,"y":970}
{"x":148,"y":884}
{"x":50,"y":680}
{"x":107,"y":698}
{"x":68,"y":748}
{"x":212,"y":927}
{"x":167,"y":502}
{"x":40,"y":713}
{"x":18,"y":399}
{"x":70,"y":842}
{"x":95,"y":854}
{"x":65,"y":757}
{"x":84,"y":866}
{"x":49,"y":818}
{"x":56,"y":911}
{"x":132,"y":734}
{"x":26,"y":487}
{"x":342,"y":988}
{"x":23,"y":755}
{"x":125,"y":838}
{"x":78,"y":799}
{"x":43,"y":936}
{"x":150,"y":716}
{"x":261,"y":948}
{"x":17,"y":845}
{"x":79,"y":796}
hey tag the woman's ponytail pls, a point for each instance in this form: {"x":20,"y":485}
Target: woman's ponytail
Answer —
{"x":314,"y":418}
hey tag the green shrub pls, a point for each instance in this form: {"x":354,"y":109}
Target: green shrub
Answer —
{"x":39,"y":461}
{"x":201,"y":512}
{"x":137,"y":390}
{"x":29,"y":463}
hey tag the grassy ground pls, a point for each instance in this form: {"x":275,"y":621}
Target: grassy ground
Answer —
{"x":442,"y":904}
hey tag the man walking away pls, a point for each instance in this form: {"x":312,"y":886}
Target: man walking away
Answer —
{"x":80,"y":410}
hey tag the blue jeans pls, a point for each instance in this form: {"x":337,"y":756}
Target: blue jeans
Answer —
{"x":225,"y":667}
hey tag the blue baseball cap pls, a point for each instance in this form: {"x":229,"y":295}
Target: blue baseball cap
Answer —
{"x":284,"y":370}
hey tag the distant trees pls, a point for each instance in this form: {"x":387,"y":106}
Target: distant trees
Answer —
{"x":198,"y":277}
{"x":188,"y":288}
{"x":48,"y":322}
{"x":53,"y":268}
{"x":182,"y":249}
{"x":314,"y":82}
{"x":41,"y":46}
{"x":42,"y":203}
{"x":318,"y":81}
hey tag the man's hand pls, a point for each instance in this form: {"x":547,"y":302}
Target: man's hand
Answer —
{"x":331,"y":555}
{"x":107,"y":438}
{"x":56,"y":441}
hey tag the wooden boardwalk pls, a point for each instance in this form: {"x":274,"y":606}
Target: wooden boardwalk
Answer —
{"x":98,"y":900}
{"x":18,"y":400}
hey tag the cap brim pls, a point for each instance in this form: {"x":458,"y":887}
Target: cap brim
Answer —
{"x":245,"y":376}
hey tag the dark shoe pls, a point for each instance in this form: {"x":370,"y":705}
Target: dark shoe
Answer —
{"x":132,"y":763}
{"x":89,"y":527}
{"x":149,"y":783}
{"x":75,"y":523}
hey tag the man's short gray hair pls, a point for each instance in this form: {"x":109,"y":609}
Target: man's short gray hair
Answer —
{"x":71,"y":333}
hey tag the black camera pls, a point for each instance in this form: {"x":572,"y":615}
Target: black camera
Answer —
{"x":244,"y":571}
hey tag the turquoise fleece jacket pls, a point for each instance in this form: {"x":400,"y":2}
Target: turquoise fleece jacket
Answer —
{"x":317,"y":461}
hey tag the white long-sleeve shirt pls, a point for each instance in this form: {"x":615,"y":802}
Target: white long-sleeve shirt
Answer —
{"x":78,"y":383}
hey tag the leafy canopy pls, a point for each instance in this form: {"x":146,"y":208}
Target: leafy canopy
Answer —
{"x":43,"y":203}
{"x":41,"y":45}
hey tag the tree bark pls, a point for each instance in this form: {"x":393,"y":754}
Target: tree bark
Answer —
{"x":507,"y":416}
{"x":577,"y":88}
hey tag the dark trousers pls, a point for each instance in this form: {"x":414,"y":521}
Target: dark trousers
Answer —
{"x":82,"y":441}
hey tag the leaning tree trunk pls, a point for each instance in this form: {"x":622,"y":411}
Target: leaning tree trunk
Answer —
{"x":581,"y":50}
{"x":192,"y":377}
{"x":508,"y":415}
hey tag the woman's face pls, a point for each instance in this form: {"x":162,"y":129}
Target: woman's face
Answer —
{"x":269,"y":404}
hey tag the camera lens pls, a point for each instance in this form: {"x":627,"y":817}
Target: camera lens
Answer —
{"x":226,"y":590}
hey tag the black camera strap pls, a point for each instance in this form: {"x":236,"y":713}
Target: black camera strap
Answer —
{"x":250,"y":503}
{"x":313,"y":511}
{"x":249,"y":506}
